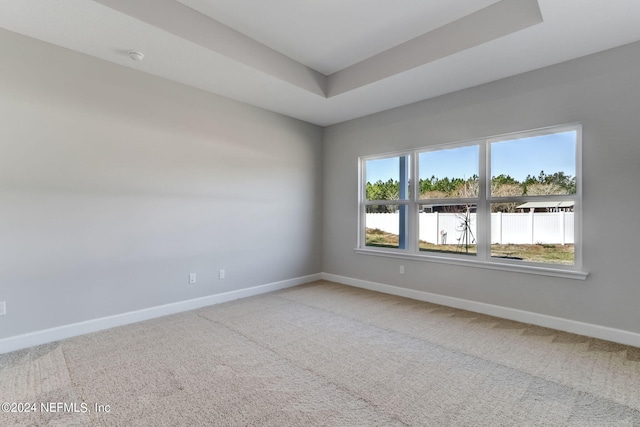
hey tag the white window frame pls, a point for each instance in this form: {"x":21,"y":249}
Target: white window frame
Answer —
{"x":483,"y":257}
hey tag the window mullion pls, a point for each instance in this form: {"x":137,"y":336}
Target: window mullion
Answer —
{"x":414,"y":223}
{"x":404,"y":228}
{"x":362,"y":201}
{"x":483,"y":215}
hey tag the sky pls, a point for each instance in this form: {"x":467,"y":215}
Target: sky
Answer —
{"x":517,"y":158}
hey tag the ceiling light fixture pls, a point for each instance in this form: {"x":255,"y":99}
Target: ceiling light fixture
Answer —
{"x":136,"y":56}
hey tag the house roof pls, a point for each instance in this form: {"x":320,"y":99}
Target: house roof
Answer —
{"x":541,"y":205}
{"x":333,"y":60}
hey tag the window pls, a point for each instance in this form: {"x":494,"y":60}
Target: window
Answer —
{"x":448,"y":199}
{"x":387,"y":192}
{"x":509,"y":202}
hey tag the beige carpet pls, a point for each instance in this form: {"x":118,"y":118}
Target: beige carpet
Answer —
{"x":324,"y":354}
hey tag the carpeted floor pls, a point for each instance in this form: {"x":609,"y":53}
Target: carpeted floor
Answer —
{"x":324,"y":354}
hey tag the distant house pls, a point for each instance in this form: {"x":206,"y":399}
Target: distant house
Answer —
{"x":447,"y":208}
{"x":548,"y":206}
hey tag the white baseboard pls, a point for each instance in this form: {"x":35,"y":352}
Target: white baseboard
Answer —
{"x":580,"y":328}
{"x":67,"y":331}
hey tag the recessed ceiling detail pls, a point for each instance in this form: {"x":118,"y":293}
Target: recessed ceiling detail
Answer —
{"x":498,"y":20}
{"x":330,"y":35}
{"x":186,"y":23}
{"x":325,"y":61}
{"x":501,"y":19}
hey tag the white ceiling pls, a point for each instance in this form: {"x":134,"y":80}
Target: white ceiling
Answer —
{"x":329,"y":35}
{"x":327,"y":61}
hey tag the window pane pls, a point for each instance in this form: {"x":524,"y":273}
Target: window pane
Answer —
{"x":535,"y":233}
{"x":387,"y":179}
{"x":451,"y":173}
{"x":448,"y":228}
{"x":536,"y":166}
{"x":386,"y":226}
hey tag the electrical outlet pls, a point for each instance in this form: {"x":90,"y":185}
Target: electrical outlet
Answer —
{"x":192,"y":278}
{"x":222,"y":274}
{"x":402,"y":269}
{"x":3,"y":308}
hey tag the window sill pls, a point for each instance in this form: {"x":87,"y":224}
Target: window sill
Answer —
{"x":503,"y":266}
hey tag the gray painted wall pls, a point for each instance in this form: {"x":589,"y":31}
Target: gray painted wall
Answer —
{"x":115,"y":185}
{"x":602,"y":92}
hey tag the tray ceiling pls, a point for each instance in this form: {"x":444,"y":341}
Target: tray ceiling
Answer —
{"x":333,"y":60}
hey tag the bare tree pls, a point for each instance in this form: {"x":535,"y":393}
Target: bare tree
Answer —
{"x":468,"y":189}
{"x":505,"y":190}
{"x":545,"y":189}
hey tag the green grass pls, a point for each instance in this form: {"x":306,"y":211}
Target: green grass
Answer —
{"x":450,"y":248}
{"x":543,"y":253}
{"x":552,"y":254}
{"x":382,"y":239}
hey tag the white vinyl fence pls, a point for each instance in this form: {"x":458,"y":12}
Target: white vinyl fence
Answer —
{"x":516,"y":228}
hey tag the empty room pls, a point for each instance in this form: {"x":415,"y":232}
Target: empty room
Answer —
{"x":305,"y":213}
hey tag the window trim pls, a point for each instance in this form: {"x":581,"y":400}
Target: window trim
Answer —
{"x":483,"y":257}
